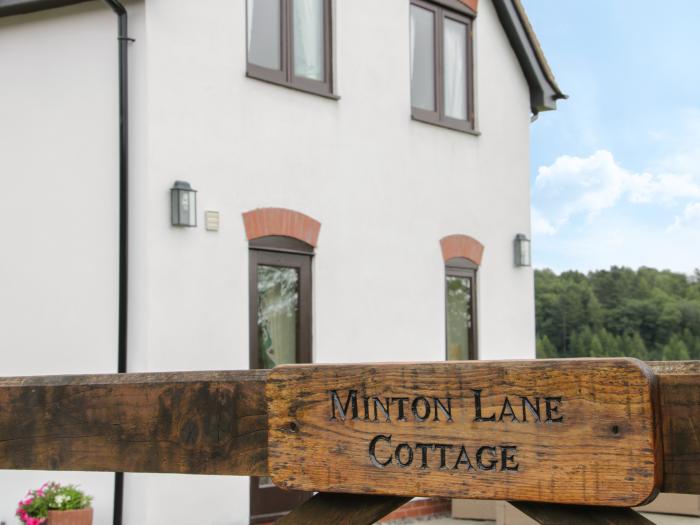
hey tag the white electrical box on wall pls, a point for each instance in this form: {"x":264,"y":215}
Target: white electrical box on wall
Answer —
{"x":211,"y":220}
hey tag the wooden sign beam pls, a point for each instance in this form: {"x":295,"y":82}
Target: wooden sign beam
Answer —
{"x":216,"y":423}
{"x":560,"y":431}
{"x":194,"y":423}
{"x":679,"y":407}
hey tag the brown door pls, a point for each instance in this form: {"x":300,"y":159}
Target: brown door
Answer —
{"x":280,"y":333}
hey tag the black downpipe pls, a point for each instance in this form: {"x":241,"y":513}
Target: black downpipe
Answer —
{"x":123,"y":41}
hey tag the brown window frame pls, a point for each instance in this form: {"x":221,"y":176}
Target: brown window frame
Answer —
{"x":442,"y":9}
{"x":269,"y":503}
{"x":461,"y":267}
{"x":285,"y":76}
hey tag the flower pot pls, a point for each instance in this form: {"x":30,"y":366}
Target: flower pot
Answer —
{"x":70,"y":517}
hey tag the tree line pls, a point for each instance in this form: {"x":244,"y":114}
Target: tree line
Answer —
{"x":648,"y":314}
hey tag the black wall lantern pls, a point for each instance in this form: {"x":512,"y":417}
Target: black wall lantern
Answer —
{"x":183,"y":204}
{"x":521,"y":246}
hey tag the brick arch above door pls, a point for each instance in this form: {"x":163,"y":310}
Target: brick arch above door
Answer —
{"x":463,"y":246}
{"x":265,"y":222}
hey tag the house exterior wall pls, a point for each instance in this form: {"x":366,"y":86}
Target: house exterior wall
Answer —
{"x":58,"y":268}
{"x":386,"y":189}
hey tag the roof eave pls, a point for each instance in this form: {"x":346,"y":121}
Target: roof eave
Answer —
{"x":544,"y":91}
{"x":23,"y":7}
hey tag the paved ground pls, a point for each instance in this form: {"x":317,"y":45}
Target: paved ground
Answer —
{"x":658,"y":519}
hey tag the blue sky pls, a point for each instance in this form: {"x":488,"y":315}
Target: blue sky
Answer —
{"x":615,"y":170}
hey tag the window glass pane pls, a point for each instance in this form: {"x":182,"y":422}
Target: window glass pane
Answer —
{"x":455,"y":42}
{"x":459,"y":317}
{"x":422,"y":58}
{"x":308,"y":24}
{"x":264,"y":33}
{"x":278,"y":310}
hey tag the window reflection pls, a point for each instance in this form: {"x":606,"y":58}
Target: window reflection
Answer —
{"x":278,"y":309}
{"x":459,"y":317}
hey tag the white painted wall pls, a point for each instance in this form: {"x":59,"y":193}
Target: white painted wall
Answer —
{"x":58,"y":166}
{"x":385,"y":189}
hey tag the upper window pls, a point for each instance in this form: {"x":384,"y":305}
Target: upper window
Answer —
{"x":442,"y":72}
{"x":289,"y":43}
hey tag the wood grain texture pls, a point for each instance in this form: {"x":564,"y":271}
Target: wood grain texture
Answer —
{"x":342,"y":509}
{"x":548,"y":514}
{"x":194,"y":422}
{"x":604,"y":450}
{"x":679,"y":400}
{"x":679,"y":406}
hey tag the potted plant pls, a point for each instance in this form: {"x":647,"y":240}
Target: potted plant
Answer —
{"x":55,"y":504}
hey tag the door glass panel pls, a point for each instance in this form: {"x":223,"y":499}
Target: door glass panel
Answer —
{"x":264,"y":24}
{"x":278,"y":312}
{"x":308,"y":27}
{"x":455,"y":42}
{"x":422,"y":58}
{"x":459,"y":317}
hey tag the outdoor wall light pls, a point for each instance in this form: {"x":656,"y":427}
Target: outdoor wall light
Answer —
{"x":183,"y":204}
{"x":521,"y":246}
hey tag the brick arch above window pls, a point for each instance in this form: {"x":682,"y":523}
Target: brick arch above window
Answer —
{"x":471,"y":4}
{"x":265,"y":222}
{"x":462,"y":246}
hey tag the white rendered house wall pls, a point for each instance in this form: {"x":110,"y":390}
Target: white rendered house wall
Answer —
{"x":386,"y":190}
{"x":58,"y":160}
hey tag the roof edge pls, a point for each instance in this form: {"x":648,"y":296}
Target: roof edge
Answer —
{"x":544,"y":90}
{"x":23,"y":7}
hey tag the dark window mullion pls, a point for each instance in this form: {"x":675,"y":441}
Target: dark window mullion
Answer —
{"x":439,"y":64}
{"x":471,"y":78}
{"x":287,"y":40}
{"x":328,"y":45}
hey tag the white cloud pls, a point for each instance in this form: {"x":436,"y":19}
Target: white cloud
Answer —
{"x":540,"y":225}
{"x":690,"y":216}
{"x":586,"y":186}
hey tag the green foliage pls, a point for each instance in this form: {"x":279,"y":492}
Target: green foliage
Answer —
{"x":35,"y":507}
{"x":675,"y":350}
{"x":545,"y":348}
{"x":648,"y":314}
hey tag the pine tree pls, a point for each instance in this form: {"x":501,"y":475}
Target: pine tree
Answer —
{"x":596,"y":348}
{"x":577,"y":345}
{"x":545,"y":348}
{"x":634,"y":346}
{"x":609,"y":342}
{"x":675,"y":350}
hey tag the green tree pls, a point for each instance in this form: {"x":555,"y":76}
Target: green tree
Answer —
{"x":692,"y":343}
{"x":596,"y":347}
{"x":633,"y":346}
{"x":545,"y":348}
{"x":675,"y":350}
{"x":578,"y":345}
{"x":609,"y":342}
{"x":635,"y":313}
